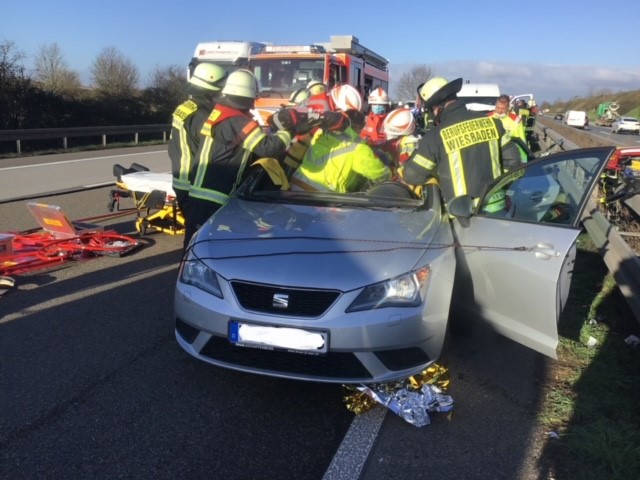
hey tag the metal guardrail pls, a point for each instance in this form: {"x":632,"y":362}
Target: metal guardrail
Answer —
{"x":621,"y":260}
{"x":64,"y":133}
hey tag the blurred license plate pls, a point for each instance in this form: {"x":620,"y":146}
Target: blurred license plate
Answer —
{"x":271,"y":337}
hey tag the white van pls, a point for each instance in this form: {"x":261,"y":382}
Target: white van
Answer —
{"x":576,"y":118}
{"x":479,"y":97}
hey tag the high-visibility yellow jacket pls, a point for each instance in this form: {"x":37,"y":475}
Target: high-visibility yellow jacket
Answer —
{"x":184,"y":141}
{"x":338,"y":161}
{"x":231,"y":138}
{"x":514,"y":127}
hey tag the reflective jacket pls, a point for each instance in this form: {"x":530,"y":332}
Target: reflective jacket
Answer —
{"x":463,"y":151}
{"x":514,"y":127}
{"x":184,"y":140}
{"x":231,"y":139}
{"x":373,"y":130}
{"x":338,"y":161}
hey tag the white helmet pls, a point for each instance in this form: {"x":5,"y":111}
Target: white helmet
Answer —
{"x":208,"y":76}
{"x":346,"y":97}
{"x":378,"y":97}
{"x":399,"y":122}
{"x":241,"y":83}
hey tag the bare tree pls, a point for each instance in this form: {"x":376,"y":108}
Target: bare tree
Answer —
{"x":113,"y":74}
{"x":407,"y":85}
{"x":170,"y":81}
{"x":52,"y":71}
{"x":15,"y":87}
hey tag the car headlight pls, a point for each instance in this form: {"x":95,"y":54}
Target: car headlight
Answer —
{"x":195,"y":272}
{"x":407,"y":290}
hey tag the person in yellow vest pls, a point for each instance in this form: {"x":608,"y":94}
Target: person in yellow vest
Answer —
{"x":513,"y":125}
{"x":338,"y":160}
{"x":203,"y":87}
{"x":463,"y":150}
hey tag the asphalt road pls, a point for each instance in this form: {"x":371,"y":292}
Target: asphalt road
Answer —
{"x":94,"y":385}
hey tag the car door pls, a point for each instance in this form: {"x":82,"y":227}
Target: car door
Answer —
{"x":515,"y":265}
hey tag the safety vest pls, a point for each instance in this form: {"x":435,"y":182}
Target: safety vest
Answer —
{"x":336,"y":162}
{"x":514,"y":127}
{"x":373,"y":130}
{"x":187,"y":120}
{"x":218,"y":174}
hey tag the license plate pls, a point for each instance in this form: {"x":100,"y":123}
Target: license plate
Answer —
{"x":275,"y":337}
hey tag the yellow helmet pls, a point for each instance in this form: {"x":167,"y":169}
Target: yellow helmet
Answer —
{"x":437,"y":90}
{"x":316,"y":87}
{"x":207,"y":76}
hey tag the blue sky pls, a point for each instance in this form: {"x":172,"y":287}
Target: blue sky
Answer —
{"x":554,"y":49}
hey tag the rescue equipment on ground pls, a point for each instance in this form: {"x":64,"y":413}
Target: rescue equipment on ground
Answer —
{"x":412,"y":399}
{"x":58,"y":240}
{"x":153,"y":196}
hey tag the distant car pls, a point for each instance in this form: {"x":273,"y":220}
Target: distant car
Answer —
{"x":559,"y":117}
{"x":358,"y":287}
{"x":626,"y":125}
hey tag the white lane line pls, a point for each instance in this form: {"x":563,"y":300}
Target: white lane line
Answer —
{"x":81,"y":160}
{"x":349,"y":460}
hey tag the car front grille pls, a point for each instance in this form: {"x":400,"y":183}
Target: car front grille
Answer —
{"x":299,"y":302}
{"x":335,"y":365}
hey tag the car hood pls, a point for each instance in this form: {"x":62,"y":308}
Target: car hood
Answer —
{"x":315,"y":247}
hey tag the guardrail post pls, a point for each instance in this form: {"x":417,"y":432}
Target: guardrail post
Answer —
{"x":104,"y":140}
{"x":136,"y":140}
{"x":164,"y":137}
{"x":64,"y":143}
{"x":18,"y":146}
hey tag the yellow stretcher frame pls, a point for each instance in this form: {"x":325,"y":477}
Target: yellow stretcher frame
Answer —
{"x":154,"y":211}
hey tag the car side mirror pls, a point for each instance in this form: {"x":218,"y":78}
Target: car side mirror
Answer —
{"x":461,"y":206}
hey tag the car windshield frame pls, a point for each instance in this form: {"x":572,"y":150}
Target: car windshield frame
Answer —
{"x":258,"y":187}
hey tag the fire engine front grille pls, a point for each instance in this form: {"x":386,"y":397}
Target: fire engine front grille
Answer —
{"x":284,"y":301}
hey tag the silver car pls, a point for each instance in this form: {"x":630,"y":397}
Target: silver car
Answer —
{"x":359,"y":287}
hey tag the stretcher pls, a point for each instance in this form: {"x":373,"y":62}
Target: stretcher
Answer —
{"x":153,"y":196}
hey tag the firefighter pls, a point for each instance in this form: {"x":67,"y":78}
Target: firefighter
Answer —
{"x":513,"y":125}
{"x":203,"y":88}
{"x":232,"y":139}
{"x":462,"y":150}
{"x":373,"y":130}
{"x":338,"y":160}
{"x":318,"y":100}
{"x":399,"y":128}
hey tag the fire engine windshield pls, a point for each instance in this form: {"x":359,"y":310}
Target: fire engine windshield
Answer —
{"x":281,"y":77}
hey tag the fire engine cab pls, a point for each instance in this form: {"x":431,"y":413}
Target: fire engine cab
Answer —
{"x":283,"y":69}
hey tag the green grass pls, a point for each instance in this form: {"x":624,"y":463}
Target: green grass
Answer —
{"x":592,"y":394}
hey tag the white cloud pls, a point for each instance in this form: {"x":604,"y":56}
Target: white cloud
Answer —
{"x":547,"y":82}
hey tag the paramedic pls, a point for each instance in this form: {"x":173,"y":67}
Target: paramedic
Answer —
{"x":338,"y":160}
{"x":203,"y":87}
{"x":512,"y":123}
{"x":463,"y":149}
{"x":231,"y":140}
{"x":373,"y":130}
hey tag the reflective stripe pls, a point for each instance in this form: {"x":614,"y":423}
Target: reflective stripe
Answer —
{"x":424,"y":162}
{"x":496,"y":165}
{"x":457,"y":173}
{"x":209,"y":195}
{"x":203,"y":161}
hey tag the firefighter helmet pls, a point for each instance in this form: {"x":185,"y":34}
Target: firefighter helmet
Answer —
{"x":298,"y":97}
{"x":207,"y":76}
{"x":316,"y":87}
{"x":398,"y":123}
{"x":346,"y":97}
{"x":241,"y":83}
{"x":378,"y":97}
{"x":438,"y":89}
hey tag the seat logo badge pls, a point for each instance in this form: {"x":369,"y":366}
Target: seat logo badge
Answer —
{"x":280,"y":300}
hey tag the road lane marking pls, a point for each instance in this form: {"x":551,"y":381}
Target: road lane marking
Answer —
{"x":353,"y":452}
{"x":81,"y":160}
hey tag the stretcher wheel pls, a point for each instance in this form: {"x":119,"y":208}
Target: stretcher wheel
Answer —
{"x":141,"y":226}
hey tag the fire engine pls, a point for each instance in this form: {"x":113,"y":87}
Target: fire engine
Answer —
{"x":283,"y":69}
